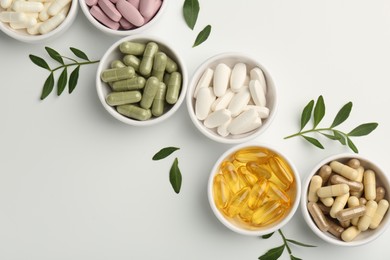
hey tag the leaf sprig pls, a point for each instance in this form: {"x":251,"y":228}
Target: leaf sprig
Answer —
{"x":276,"y":252}
{"x":175,"y":177}
{"x":63,"y":79}
{"x":191,"y":10}
{"x":330,"y":132}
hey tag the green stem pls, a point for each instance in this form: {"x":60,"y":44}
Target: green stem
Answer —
{"x":75,"y":63}
{"x":313,"y":130}
{"x":69,"y":58}
{"x":285,"y":241}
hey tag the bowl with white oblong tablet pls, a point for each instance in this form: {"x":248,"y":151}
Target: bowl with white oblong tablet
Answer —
{"x":345,"y":200}
{"x":35,"y":21}
{"x":231,"y":98}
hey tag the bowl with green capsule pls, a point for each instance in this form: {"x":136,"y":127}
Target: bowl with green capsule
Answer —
{"x":141,"y":80}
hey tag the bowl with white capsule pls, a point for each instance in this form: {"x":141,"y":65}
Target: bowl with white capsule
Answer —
{"x":232,"y":98}
{"x":36,"y":21}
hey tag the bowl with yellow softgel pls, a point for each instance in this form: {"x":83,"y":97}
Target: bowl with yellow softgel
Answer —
{"x":253,"y":189}
{"x":345,"y":200}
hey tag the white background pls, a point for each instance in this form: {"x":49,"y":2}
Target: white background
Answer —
{"x":75,"y":183}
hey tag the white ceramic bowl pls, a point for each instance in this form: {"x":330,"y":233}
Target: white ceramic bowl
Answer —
{"x":236,"y":225}
{"x":364,"y":237}
{"x":85,"y":9}
{"x":113,"y":53}
{"x":23,"y":36}
{"x":230,"y":59}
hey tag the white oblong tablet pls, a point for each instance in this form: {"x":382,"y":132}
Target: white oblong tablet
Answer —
{"x":262,"y":111}
{"x":223,"y":101}
{"x":239,"y":102}
{"x":221,"y":79}
{"x":257,"y":93}
{"x":222,"y":130}
{"x":204,"y":81}
{"x":257,"y":74}
{"x":237,"y":78}
{"x":204,"y":100}
{"x":217,"y":118}
{"x":247,"y":121}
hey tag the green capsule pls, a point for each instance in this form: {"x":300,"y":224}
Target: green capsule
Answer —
{"x":122,"y":98}
{"x":110,"y":75}
{"x":134,"y":112}
{"x":117,"y":64}
{"x":150,"y":91}
{"x":159,"y":64}
{"x":134,"y":48}
{"x":171,"y":65}
{"x":132,"y":61}
{"x":159,"y":100}
{"x":128,"y":84}
{"x":166,"y":78}
{"x":146,"y":65}
{"x":173,"y":88}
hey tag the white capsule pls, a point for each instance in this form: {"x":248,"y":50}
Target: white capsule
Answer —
{"x":34,"y":30}
{"x":257,"y":74}
{"x":239,"y":102}
{"x":51,"y":23}
{"x":57,"y":6}
{"x":237,"y":77}
{"x":5,"y":3}
{"x":43,"y":15}
{"x":257,"y":93}
{"x":204,"y":100}
{"x":27,"y":7}
{"x":221,"y":79}
{"x":12,"y":17}
{"x":222,"y":130}
{"x":223,"y":101}
{"x":204,"y":81}
{"x":245,"y":122}
{"x":217,"y":118}
{"x":263,"y":111}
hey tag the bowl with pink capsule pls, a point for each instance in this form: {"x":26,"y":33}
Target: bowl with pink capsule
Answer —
{"x":36,"y":21}
{"x":231,"y":98}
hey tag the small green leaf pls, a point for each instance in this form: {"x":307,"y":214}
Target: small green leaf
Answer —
{"x":190,"y":12}
{"x":62,"y":80}
{"x":267,"y":235}
{"x":39,"y":62}
{"x":74,"y":76}
{"x":164,"y":152}
{"x":313,"y":141}
{"x":175,"y":177}
{"x":48,"y":86}
{"x":352,"y":145}
{"x":342,"y":115}
{"x":363,"y":129}
{"x":306,"y":114}
{"x":332,"y":137}
{"x":299,"y":243}
{"x":79,"y":53}
{"x":340,"y":137}
{"x":54,"y":54}
{"x":202,"y":36}
{"x":294,"y":258}
{"x":319,"y":111}
{"x":273,"y":253}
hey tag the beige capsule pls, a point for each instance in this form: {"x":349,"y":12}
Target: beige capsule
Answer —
{"x":350,"y":213}
{"x":325,"y":172}
{"x":365,"y":220}
{"x":353,"y":201}
{"x":339,"y":204}
{"x":353,"y":163}
{"x":359,"y":178}
{"x":324,"y":209}
{"x":333,"y":190}
{"x":318,"y":216}
{"x":327,"y":201}
{"x":344,"y":170}
{"x":380,"y":212}
{"x":362,"y":201}
{"x":350,"y":234}
{"x":334,"y":228}
{"x":369,"y":185}
{"x":353,"y":185}
{"x":315,"y":184}
{"x":380,"y":193}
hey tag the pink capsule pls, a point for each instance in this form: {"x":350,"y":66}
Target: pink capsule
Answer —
{"x":91,"y":2}
{"x":148,"y":8}
{"x":109,"y":9}
{"x":134,"y":2}
{"x":126,"y":25}
{"x":103,"y":18}
{"x":130,"y":13}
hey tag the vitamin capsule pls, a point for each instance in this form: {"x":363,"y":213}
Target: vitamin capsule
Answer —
{"x":354,"y":163}
{"x":217,"y":118}
{"x":327,"y":201}
{"x":110,"y":75}
{"x":108,"y":8}
{"x":250,"y":178}
{"x":276,"y":193}
{"x":380,"y":212}
{"x":261,"y":171}
{"x":324,"y":209}
{"x":12,"y":17}
{"x":353,"y":185}
{"x":166,"y":78}
{"x":135,"y":3}
{"x":133,"y":48}
{"x":148,"y":8}
{"x":150,"y":91}
{"x":246,"y":122}
{"x":58,"y":5}
{"x":221,"y":79}
{"x":350,"y":213}
{"x":5,"y":3}
{"x":318,"y":216}
{"x":359,"y":178}
{"x":221,"y":191}
{"x":239,"y":102}
{"x":204,"y":81}
{"x":126,"y":25}
{"x":132,"y":61}
{"x":325,"y":172}
{"x":159,"y":100}
{"x":362,"y":201}
{"x":350,"y":234}
{"x":173,"y":88}
{"x":43,"y":15}
{"x":246,"y":213}
{"x":117,"y":64}
{"x":257,"y":93}
{"x":146,"y":65}
{"x":338,"y":204}
{"x":122,"y":98}
{"x":130,"y":13}
{"x":257,"y":74}
{"x":353,"y":201}
{"x":262,"y":111}
{"x":237,"y":77}
{"x":345,"y":224}
{"x":365,"y":220}
{"x":27,"y":6}
{"x":380,"y":193}
{"x":222,"y":130}
{"x":333,"y":190}
{"x":237,"y":202}
{"x":128,"y":84}
{"x":223,"y":101}
{"x":99,"y":15}
{"x":134,"y":112}
{"x":171,"y":65}
{"x":203,"y":103}
{"x":34,"y":30}
{"x":315,"y":184}
{"x":231,"y":176}
{"x":259,"y":155}
{"x":258,"y":193}
{"x":91,"y":2}
{"x":268,"y":213}
{"x":281,"y":170}
{"x":159,"y":64}
{"x":51,"y":23}
{"x":344,"y":170}
{"x":369,"y":185}
{"x":335,"y":229}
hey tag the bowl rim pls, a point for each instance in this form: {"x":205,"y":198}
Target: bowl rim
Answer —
{"x":310,"y":222}
{"x":191,"y":87}
{"x":227,"y":223}
{"x":177,"y":58}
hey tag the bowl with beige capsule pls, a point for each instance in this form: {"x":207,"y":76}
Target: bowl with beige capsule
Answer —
{"x":254,"y":189}
{"x":345,"y":200}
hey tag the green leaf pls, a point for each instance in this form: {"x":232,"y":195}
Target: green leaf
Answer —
{"x":267,"y":235}
{"x":299,"y":243}
{"x":342,"y":115}
{"x":319,"y":111}
{"x":352,"y":145}
{"x":306,"y":114}
{"x":340,"y":137}
{"x":294,"y":258}
{"x":190,"y":12}
{"x":39,"y":62}
{"x":313,"y":141}
{"x":175,"y":177}
{"x":47,"y":86}
{"x":273,"y":253}
{"x":202,"y":36}
{"x":79,"y":53}
{"x":74,"y":76}
{"x":164,"y":152}
{"x":54,"y":54}
{"x":363,"y":129}
{"x":62,"y":80}
{"x":332,"y":137}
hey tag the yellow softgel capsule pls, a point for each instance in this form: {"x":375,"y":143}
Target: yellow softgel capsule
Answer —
{"x":256,"y":154}
{"x":246,"y":213}
{"x":258,"y":194}
{"x":237,"y":202}
{"x":231,"y":176}
{"x":268,"y":213}
{"x":276,"y":193}
{"x":222,"y":193}
{"x":281,"y":170}
{"x":260,"y":170}
{"x":250,"y":178}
